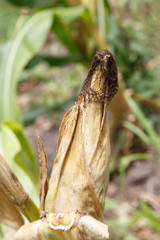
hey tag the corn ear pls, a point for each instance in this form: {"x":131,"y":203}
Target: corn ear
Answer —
{"x":80,"y":172}
{"x":79,"y":179}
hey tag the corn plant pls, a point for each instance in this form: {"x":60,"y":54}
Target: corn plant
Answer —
{"x":72,"y":206}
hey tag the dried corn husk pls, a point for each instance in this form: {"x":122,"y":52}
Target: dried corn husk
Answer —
{"x":43,"y":172}
{"x":9,"y":214}
{"x":80,"y":173}
{"x":15,"y":192}
{"x":79,"y":179}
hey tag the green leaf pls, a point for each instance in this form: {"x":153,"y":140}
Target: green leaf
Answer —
{"x":154,"y":138}
{"x":70,"y":14}
{"x":63,"y":17}
{"x":136,"y":217}
{"x":8,"y":17}
{"x":124,"y":163}
{"x":14,"y":55}
{"x":150,"y":216}
{"x":65,"y":35}
{"x":33,"y":3}
{"x":9,"y":144}
{"x":53,"y":61}
{"x":137,"y":131}
{"x":9,"y":148}
{"x":25,"y":158}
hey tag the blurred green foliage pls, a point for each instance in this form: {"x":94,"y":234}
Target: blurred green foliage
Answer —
{"x":38,"y":37}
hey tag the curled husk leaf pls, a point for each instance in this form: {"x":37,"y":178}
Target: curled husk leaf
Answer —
{"x":43,"y":171}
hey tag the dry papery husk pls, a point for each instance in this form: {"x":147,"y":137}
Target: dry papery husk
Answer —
{"x":9,"y":214}
{"x":14,"y":200}
{"x":80,"y":172}
{"x":79,"y":177}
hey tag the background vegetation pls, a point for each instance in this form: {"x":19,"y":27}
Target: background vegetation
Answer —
{"x":46,"y":50}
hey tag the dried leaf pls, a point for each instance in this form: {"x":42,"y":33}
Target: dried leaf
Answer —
{"x":43,"y":172}
{"x":16,"y":193}
{"x":80,"y":172}
{"x":10,"y":183}
{"x":9,"y":214}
